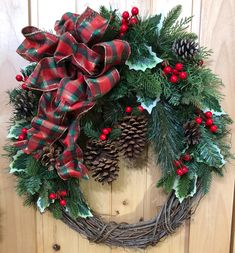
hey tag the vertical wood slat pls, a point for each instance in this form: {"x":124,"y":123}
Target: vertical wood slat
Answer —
{"x":211,"y":225}
{"x":16,"y":222}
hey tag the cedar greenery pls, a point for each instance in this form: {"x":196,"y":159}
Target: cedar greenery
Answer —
{"x":175,"y":105}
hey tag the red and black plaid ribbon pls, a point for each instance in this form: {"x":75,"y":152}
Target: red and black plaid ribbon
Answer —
{"x":73,"y":70}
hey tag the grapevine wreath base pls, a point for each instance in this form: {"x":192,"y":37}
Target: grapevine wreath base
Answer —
{"x":141,"y":234}
{"x":101,"y":89}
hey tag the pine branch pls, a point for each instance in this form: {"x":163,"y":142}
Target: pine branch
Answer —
{"x":145,"y":84}
{"x":167,"y":135}
{"x":170,"y":19}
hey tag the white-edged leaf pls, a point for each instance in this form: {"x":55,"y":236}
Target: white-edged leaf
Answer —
{"x":150,"y":105}
{"x":193,"y":189}
{"x":16,"y":129}
{"x":143,"y":62}
{"x":43,"y":203}
{"x":20,"y":166}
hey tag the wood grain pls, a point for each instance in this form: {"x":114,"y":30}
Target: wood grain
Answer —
{"x":215,"y":211}
{"x":134,"y":195}
{"x":17,"y":223}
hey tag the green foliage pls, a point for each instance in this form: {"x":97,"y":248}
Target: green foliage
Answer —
{"x":170,"y":19}
{"x":146,"y":84}
{"x":16,"y":129}
{"x":142,"y":58}
{"x":166,"y":133}
{"x":28,"y":70}
{"x":183,"y":186}
{"x":90,"y":132}
{"x":208,"y":152}
{"x":167,"y":182}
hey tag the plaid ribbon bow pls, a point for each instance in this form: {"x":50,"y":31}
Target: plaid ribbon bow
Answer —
{"x":73,"y":70}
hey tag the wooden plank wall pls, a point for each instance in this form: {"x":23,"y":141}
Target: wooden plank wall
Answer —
{"x":134,"y":196}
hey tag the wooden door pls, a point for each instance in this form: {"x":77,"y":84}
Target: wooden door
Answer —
{"x":134,"y":196}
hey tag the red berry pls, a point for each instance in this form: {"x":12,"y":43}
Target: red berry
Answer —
{"x":200,"y":62}
{"x":124,"y":28}
{"x":105,"y":131}
{"x":184,"y":169}
{"x":213,"y":128}
{"x":103,"y":137}
{"x":52,"y":196}
{"x":173,"y":79}
{"x":183,"y":75}
{"x":63,"y":193}
{"x":167,"y":70}
{"x":24,"y":86}
{"x":176,"y":163}
{"x":122,"y":34}
{"x":134,"y":21}
{"x":198,"y":120}
{"x":179,"y":66}
{"x":109,"y":129}
{"x":135,"y":11}
{"x":21,"y":137}
{"x":141,"y":108}
{"x":186,"y":157}
{"x":128,"y":109}
{"x":208,"y":114}
{"x":209,"y":122}
{"x":124,"y":21}
{"x":125,"y":15}
{"x":63,"y":202}
{"x":19,"y":78}
{"x":24,"y":130}
{"x":179,"y":172}
{"x":175,"y":72}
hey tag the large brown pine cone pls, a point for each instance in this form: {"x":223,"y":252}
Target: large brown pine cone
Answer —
{"x":101,"y":158}
{"x":133,"y":138}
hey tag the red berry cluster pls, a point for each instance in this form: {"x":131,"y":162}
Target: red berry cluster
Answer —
{"x":129,"y":109}
{"x":20,"y":78}
{"x":175,"y":73}
{"x":23,"y":134}
{"x":179,"y":164}
{"x":60,"y":195}
{"x":207,"y":117}
{"x":127,"y":20}
{"x":105,"y":133}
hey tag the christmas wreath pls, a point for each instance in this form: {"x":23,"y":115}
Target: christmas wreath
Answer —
{"x":104,"y":87}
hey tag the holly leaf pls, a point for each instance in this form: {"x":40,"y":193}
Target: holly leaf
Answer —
{"x":16,"y":129}
{"x":208,"y":152}
{"x":19,"y":163}
{"x":43,"y":203}
{"x":142,"y":58}
{"x":185,"y":187}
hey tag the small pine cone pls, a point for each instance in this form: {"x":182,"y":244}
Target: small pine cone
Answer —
{"x":185,"y":48}
{"x":49,"y":156}
{"x":101,"y":158}
{"x":133,"y":138}
{"x":24,"y":103}
{"x":192,"y":133}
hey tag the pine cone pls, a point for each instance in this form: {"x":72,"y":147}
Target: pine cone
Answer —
{"x":101,"y":157}
{"x":133,"y":138}
{"x":24,"y":103}
{"x":185,"y":48}
{"x":192,"y":133}
{"x":49,"y":156}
